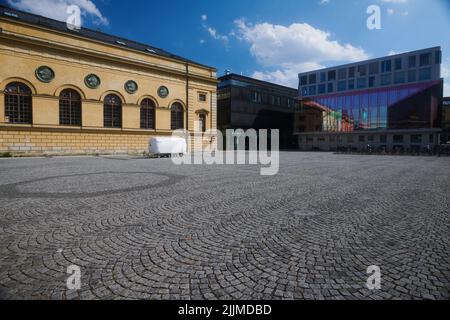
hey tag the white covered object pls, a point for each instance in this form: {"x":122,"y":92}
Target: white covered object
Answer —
{"x":168,"y":145}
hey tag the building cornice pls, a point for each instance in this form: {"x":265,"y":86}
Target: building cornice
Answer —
{"x":5,"y":34}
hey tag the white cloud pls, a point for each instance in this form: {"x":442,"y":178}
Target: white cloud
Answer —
{"x":204,"y":17}
{"x":445,"y":70}
{"x":215,"y":35}
{"x":324,"y":2}
{"x":57,"y":9}
{"x":284,"y":51}
{"x":287,"y":75}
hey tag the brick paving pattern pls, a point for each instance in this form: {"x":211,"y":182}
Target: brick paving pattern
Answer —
{"x":146,"y":229}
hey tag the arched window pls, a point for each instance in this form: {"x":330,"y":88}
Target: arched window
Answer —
{"x":177,"y":116}
{"x":18,"y":103}
{"x":148,"y":114}
{"x":112,"y":112}
{"x":70,"y":108}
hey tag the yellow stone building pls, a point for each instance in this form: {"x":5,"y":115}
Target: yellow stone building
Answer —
{"x":66,"y":91}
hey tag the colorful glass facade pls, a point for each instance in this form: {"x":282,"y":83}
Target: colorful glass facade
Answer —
{"x":411,"y":106}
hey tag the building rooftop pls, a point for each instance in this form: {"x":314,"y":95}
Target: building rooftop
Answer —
{"x":375,"y":59}
{"x":33,"y":19}
{"x":255,"y":81}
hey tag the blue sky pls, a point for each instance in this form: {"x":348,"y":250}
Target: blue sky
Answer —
{"x":267,"y":39}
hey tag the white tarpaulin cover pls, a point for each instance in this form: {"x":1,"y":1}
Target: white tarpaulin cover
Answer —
{"x":168,"y":145}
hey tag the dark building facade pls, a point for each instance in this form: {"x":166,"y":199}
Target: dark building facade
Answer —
{"x":388,"y":103}
{"x":246,"y":103}
{"x":445,"y":137}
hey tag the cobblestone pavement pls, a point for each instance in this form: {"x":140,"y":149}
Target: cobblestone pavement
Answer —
{"x":146,"y":229}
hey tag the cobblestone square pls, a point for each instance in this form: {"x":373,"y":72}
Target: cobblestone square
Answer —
{"x":147,"y":229}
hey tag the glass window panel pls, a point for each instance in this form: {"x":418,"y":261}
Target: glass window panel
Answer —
{"x":351,"y":72}
{"x":386,"y":66}
{"x":425,"y":74}
{"x":332,"y":75}
{"x":303,"y":80}
{"x":425,"y":59}
{"x":362,"y":83}
{"x":399,"y":77}
{"x":342,"y":74}
{"x":330,"y":87}
{"x":386,"y":79}
{"x":398,"y":64}
{"x":438,"y":57}
{"x":351,"y":84}
{"x":362,"y":70}
{"x":374,"y":68}
{"x":412,"y":61}
{"x":412,"y":76}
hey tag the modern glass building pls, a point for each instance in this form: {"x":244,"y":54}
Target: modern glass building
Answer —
{"x":247,"y":103}
{"x":388,"y":103}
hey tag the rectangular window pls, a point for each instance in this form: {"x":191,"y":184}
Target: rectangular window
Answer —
{"x":304,"y":91}
{"x":371,"y":82}
{"x":398,"y":139}
{"x":342,"y":85}
{"x":350,"y":139}
{"x":323,"y":77}
{"x":332,"y":75}
{"x":386,"y":66}
{"x":351,"y":72}
{"x":322,"y":89}
{"x":386,"y":79}
{"x":342,"y":74}
{"x":399,"y":77}
{"x":431,"y":138}
{"x":312,"y":78}
{"x":383,"y":139}
{"x":374,"y":68}
{"x":438,"y":57}
{"x":351,"y":84}
{"x":412,"y":63}
{"x":330,"y":87}
{"x":416,"y":138}
{"x":362,"y":70}
{"x":362,"y":139}
{"x":289,"y":103}
{"x":362,"y":83}
{"x":425,"y":74}
{"x":371,"y":138}
{"x":398,"y":64}
{"x":412,"y":76}
{"x":278,"y":101}
{"x":202,"y":97}
{"x":312,"y":90}
{"x":425,"y":59}
{"x":256,"y":97}
{"x":303,"y":80}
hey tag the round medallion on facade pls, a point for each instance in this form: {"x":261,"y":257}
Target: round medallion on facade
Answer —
{"x":131,"y":87}
{"x":163,"y":92}
{"x":92,"y":81}
{"x":45,"y":74}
